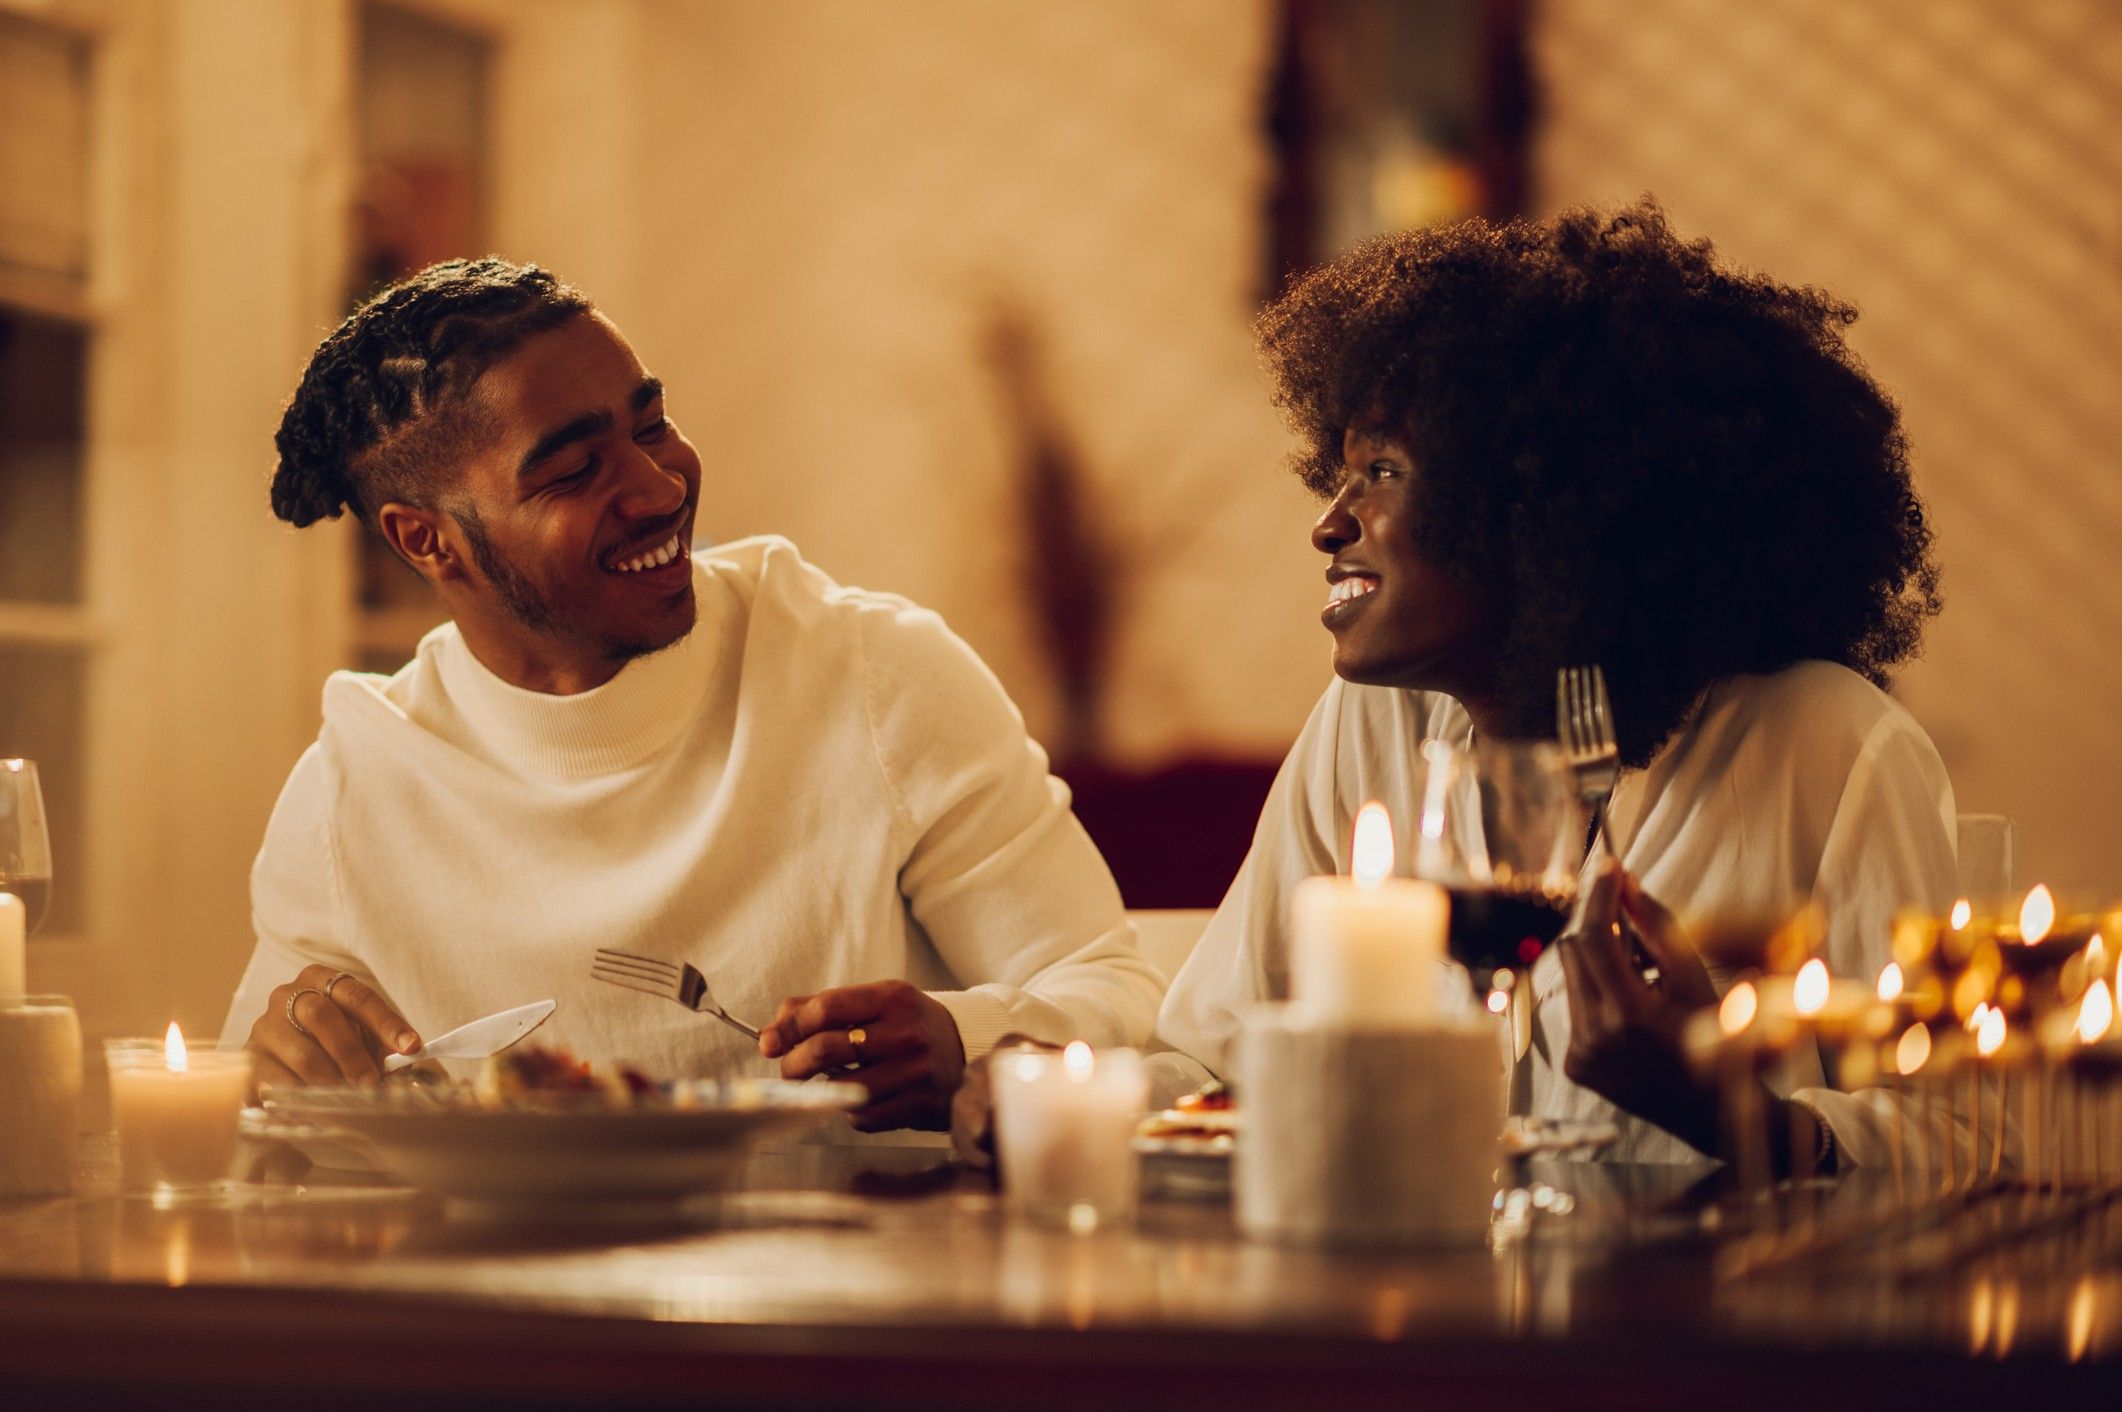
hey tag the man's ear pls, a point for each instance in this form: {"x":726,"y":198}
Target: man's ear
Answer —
{"x":424,"y":539}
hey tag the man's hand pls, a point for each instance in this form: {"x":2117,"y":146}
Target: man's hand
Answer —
{"x":905,"y":1050}
{"x":341,"y":1029}
{"x":1624,"y":1041}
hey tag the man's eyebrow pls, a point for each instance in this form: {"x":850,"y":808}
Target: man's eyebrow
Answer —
{"x":582,"y":428}
{"x":649,"y":390}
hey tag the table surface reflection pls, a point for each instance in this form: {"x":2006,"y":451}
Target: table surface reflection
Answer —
{"x":832,"y":1271}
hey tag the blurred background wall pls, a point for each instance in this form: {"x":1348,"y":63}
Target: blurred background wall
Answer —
{"x":954,"y":293}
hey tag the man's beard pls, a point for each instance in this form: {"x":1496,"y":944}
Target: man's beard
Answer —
{"x":521,"y":600}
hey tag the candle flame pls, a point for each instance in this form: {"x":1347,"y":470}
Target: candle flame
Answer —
{"x":1890,"y":981}
{"x":1077,"y":1060}
{"x":1498,"y":1001}
{"x":173,"y":1052}
{"x":1371,"y":859}
{"x":2096,"y":1014}
{"x":1809,"y":992}
{"x":2037,"y":914}
{"x":1963,"y":913}
{"x":1990,"y":1038}
{"x":1976,"y":1016}
{"x":2096,"y":954}
{"x":1913,"y":1052}
{"x":1737,"y":1011}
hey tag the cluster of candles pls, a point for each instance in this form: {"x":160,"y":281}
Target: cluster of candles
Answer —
{"x":1990,"y":1027}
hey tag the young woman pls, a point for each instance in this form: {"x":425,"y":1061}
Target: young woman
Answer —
{"x":1583,"y":440}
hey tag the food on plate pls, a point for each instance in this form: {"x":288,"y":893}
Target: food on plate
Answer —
{"x":1204,"y":1122}
{"x":529,"y":1071}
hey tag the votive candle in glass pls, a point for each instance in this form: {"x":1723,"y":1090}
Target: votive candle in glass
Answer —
{"x":1064,"y":1132}
{"x":176,"y":1109}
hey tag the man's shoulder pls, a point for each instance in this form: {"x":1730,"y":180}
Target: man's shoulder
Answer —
{"x":769,"y":573}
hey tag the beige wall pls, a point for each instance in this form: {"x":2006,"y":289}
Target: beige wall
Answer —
{"x":834,"y":187}
{"x":1953,"y":167}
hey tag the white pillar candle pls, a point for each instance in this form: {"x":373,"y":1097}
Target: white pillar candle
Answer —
{"x":40,"y":1095}
{"x":1365,"y":950}
{"x":1064,"y":1131}
{"x":14,"y":949}
{"x":176,"y":1112}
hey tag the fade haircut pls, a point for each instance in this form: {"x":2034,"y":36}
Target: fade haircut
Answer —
{"x":382,"y":412}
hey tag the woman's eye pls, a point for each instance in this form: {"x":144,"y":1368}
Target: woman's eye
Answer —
{"x":1380,"y":470}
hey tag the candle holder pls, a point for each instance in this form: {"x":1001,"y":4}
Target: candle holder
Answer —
{"x":176,"y":1110}
{"x":40,"y":1095}
{"x":1064,"y":1133}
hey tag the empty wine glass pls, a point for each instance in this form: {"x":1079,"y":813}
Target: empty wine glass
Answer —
{"x":25,"y":840}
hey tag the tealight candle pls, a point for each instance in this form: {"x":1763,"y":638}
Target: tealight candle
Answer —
{"x":1064,"y":1132}
{"x":176,"y":1111}
{"x":1365,"y":950}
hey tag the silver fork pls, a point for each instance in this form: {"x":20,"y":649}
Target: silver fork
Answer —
{"x":1585,"y":722}
{"x":674,"y":980}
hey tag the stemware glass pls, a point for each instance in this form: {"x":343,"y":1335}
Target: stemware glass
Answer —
{"x":25,"y":840}
{"x":1502,"y":831}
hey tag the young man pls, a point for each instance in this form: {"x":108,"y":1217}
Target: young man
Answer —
{"x":817,"y":795}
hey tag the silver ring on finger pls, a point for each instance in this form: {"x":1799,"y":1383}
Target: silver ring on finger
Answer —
{"x":341,"y":976}
{"x":300,"y":1028}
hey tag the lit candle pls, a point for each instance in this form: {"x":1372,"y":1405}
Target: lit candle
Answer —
{"x":1815,"y":1001}
{"x":14,"y":945}
{"x":1064,"y":1132}
{"x":176,"y":1111}
{"x":1365,"y":949}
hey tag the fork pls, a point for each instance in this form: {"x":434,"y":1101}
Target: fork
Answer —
{"x":674,"y":980}
{"x":1584,"y":719}
{"x":1585,"y":722}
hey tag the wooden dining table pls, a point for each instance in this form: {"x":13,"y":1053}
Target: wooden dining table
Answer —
{"x":873,"y":1278}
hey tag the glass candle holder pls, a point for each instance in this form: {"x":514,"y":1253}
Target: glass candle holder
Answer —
{"x":1064,"y":1133}
{"x":40,"y":1095}
{"x":176,"y":1112}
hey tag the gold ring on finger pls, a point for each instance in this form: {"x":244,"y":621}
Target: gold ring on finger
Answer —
{"x":306,"y":990}
{"x":341,"y":976}
{"x":856,"y":1038}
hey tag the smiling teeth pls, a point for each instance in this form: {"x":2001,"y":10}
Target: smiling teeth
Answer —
{"x":1350,"y":588}
{"x":655,"y":559}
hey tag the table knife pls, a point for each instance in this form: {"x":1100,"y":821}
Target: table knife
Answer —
{"x":478,"y":1039}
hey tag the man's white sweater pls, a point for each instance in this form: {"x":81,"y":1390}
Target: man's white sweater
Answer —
{"x":817,"y":786}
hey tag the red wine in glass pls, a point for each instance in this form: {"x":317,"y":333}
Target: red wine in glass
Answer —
{"x":1502,"y":929}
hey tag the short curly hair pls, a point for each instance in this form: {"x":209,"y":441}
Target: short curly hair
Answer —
{"x":381,"y":413}
{"x":1657,"y":463}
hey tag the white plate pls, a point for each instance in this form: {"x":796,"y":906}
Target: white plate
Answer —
{"x":331,"y":1148}
{"x":559,"y":1148}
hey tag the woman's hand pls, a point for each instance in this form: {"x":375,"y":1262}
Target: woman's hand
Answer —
{"x":1624,"y":1041}
{"x":326,"y":1027}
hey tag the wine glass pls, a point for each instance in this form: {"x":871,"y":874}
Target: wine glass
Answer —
{"x":25,"y":840}
{"x":1502,"y":831}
